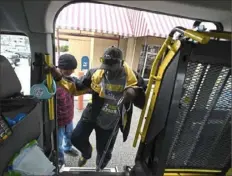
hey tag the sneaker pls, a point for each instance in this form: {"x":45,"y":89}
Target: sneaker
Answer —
{"x":82,"y":161}
{"x":61,"y":163}
{"x":73,"y":152}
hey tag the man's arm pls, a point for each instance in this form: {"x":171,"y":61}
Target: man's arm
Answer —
{"x":136,"y":93}
{"x":86,"y":80}
{"x":139,"y":100}
{"x":75,"y":87}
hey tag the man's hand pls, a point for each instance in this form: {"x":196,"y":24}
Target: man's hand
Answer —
{"x":57,"y":75}
{"x":129,"y":95}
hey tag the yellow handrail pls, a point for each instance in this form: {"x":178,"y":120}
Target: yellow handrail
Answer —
{"x":149,"y":86}
{"x":158,"y":78}
{"x":197,"y":36}
{"x":50,"y":89}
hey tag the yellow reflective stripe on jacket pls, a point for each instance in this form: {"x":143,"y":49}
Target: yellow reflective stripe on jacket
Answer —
{"x":125,"y":121}
{"x":71,"y":87}
{"x":115,"y":88}
{"x":96,"y":80}
{"x":131,"y":80}
{"x":90,"y":100}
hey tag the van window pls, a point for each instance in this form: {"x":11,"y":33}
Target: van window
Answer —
{"x":16,"y":49}
{"x":206,"y":26}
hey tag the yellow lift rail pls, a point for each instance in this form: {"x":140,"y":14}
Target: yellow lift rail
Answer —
{"x":157,"y":71}
{"x":149,"y":86}
{"x":155,"y":79}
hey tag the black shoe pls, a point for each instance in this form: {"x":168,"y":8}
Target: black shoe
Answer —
{"x":61,"y":163}
{"x":82,"y":161}
{"x":73,"y":152}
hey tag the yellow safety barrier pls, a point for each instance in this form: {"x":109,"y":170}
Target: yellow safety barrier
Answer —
{"x":49,"y":84}
{"x":158,"y":70}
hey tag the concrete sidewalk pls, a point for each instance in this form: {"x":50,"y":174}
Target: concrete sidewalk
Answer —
{"x":123,"y":154}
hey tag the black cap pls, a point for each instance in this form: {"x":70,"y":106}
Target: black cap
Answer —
{"x":111,"y":56}
{"x":67,"y":62}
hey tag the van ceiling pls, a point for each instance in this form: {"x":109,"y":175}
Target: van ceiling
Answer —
{"x":209,"y":10}
{"x":39,"y":15}
{"x":221,"y":5}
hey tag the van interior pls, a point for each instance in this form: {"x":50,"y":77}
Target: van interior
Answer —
{"x":185,"y":127}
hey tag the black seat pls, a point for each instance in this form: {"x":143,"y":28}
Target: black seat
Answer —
{"x":12,"y":103}
{"x":10,"y":83}
{"x":190,"y":126}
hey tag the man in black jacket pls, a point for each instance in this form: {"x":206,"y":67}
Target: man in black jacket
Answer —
{"x":107,"y":84}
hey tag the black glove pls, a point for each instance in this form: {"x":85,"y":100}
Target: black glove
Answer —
{"x":129,"y":95}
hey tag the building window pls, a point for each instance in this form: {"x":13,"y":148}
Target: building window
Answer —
{"x":146,"y":59}
{"x":16,"y":48}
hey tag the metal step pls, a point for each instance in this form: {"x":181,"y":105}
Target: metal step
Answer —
{"x":89,"y":171}
{"x":92,"y":174}
{"x":86,"y":169}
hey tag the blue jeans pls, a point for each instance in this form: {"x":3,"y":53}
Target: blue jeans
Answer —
{"x":64,"y":135}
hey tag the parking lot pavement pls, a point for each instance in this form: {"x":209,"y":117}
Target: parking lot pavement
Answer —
{"x":123,"y":154}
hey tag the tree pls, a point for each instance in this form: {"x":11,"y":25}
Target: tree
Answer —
{"x":64,"y":48}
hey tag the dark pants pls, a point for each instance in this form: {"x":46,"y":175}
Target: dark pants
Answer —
{"x":80,"y":139}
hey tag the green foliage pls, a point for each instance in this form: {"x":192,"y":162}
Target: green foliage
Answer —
{"x":64,"y":48}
